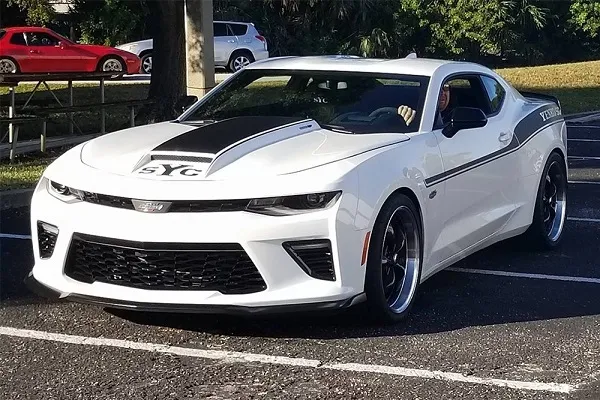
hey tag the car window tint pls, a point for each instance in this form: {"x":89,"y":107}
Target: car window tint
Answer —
{"x":467,"y":91}
{"x":41,"y":39}
{"x":495,"y":93}
{"x":18,"y":39}
{"x":220,"y":29}
{"x":239,"y":29}
{"x":357,"y":102}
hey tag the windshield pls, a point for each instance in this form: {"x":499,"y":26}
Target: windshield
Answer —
{"x":347,"y":101}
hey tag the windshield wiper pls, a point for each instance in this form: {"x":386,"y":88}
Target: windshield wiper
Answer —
{"x":336,"y":128}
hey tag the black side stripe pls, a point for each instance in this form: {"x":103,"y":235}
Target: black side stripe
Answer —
{"x":214,"y":137}
{"x":525,"y":130}
{"x":536,"y":120}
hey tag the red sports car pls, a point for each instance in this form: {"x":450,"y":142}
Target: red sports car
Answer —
{"x":41,"y":50}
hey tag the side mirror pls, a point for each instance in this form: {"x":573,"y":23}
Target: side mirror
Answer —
{"x":464,"y":118}
{"x":185,"y":102}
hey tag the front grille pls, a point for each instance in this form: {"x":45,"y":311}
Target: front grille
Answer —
{"x":163,"y":266}
{"x":107,"y":200}
{"x":47,"y":235}
{"x":176,"y":206}
{"x":209,"y":206}
{"x":314,"y":257}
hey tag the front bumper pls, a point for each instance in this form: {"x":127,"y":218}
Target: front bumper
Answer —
{"x":288,"y":286}
{"x":133,"y":65}
{"x":47,"y":292}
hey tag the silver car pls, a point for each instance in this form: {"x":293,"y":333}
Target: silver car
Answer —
{"x":236,"y":45}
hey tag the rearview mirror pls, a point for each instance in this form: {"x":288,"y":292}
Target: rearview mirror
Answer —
{"x":464,"y":118}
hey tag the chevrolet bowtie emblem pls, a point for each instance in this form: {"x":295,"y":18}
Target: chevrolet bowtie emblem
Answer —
{"x":151,"y":206}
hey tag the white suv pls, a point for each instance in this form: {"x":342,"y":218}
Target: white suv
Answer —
{"x":237,"y":44}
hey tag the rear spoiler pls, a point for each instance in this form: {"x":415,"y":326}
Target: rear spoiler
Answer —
{"x":540,"y":96}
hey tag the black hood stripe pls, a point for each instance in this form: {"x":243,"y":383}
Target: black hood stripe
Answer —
{"x":214,"y":137}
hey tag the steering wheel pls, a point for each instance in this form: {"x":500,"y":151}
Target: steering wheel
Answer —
{"x":383,"y":110}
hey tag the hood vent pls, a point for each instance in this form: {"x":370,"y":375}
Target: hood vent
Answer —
{"x":182,"y":158}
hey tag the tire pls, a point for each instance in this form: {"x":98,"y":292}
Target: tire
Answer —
{"x":111,"y":64}
{"x":539,"y":235}
{"x":240,"y":59}
{"x":146,"y":64}
{"x":8,"y":66}
{"x":398,"y":213}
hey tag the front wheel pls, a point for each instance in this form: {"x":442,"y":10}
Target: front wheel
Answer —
{"x":550,"y":212}
{"x":111,"y":64}
{"x":146,"y":63}
{"x":394,"y":260}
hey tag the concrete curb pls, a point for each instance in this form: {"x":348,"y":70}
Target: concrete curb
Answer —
{"x":15,"y":198}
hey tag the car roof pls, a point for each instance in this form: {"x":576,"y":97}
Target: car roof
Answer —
{"x":234,"y":22}
{"x":402,"y":66}
{"x":28,"y":28}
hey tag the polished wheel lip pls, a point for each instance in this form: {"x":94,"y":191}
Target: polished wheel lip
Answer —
{"x":112,"y":65}
{"x":554,"y":201}
{"x":7,"y":66}
{"x":403,"y":258}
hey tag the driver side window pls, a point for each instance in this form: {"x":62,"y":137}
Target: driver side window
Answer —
{"x":461,"y":91}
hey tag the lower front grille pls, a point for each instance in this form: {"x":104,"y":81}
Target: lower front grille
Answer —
{"x":163,"y":266}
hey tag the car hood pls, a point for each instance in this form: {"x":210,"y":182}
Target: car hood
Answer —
{"x":99,"y":49}
{"x":244,"y":147}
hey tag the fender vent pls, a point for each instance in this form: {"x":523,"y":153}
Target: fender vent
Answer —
{"x":314,"y":257}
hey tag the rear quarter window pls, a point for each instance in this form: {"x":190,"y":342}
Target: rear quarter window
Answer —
{"x":2,"y":33}
{"x":239,"y":29}
{"x":495,"y":93}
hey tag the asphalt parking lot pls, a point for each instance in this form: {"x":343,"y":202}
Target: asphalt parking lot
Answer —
{"x":502,"y":324}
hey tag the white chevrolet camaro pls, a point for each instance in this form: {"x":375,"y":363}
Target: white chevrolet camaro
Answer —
{"x":303,"y":183}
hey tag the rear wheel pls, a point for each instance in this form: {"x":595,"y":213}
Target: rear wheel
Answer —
{"x":394,"y":260}
{"x":549,"y":215}
{"x":239,"y":60}
{"x":8,"y":66}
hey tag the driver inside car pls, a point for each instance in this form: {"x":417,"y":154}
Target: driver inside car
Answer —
{"x":408,"y":114}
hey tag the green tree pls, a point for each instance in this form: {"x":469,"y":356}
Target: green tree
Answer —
{"x":39,"y":12}
{"x":585,"y":15}
{"x":109,"y":22}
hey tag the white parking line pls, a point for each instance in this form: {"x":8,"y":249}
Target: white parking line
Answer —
{"x":583,"y":158}
{"x":242,"y":357}
{"x":584,"y":140}
{"x":585,"y":182}
{"x":594,"y":220}
{"x":13,"y":236}
{"x":578,"y":279}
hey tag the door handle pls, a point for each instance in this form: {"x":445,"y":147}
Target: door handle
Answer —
{"x":231,"y":41}
{"x":505,"y":137}
{"x":34,"y":51}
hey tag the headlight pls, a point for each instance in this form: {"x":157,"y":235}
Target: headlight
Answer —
{"x":64,"y":193}
{"x":290,"y":205}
